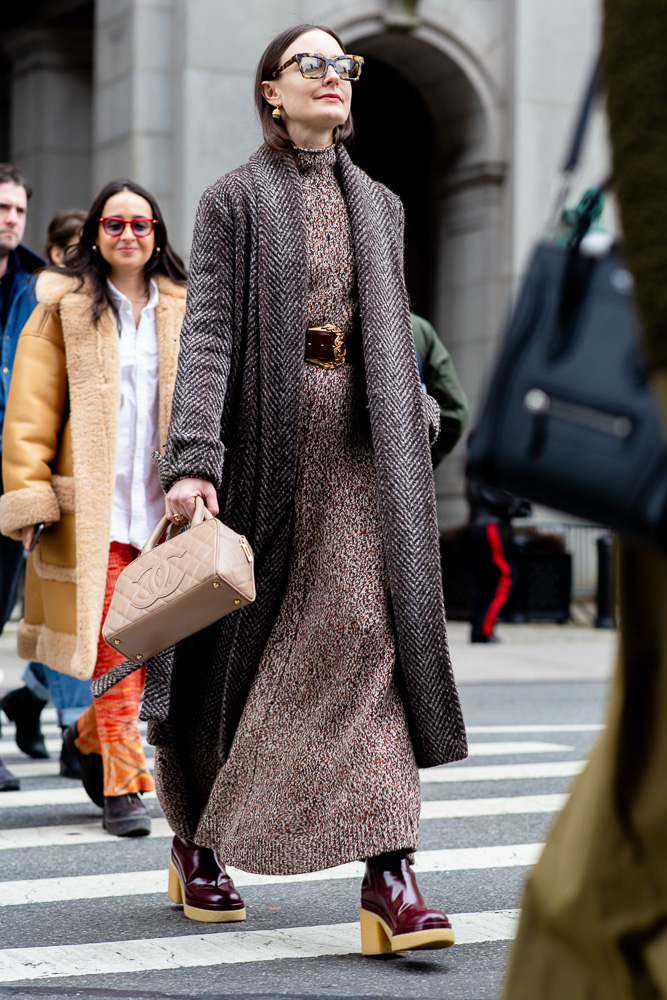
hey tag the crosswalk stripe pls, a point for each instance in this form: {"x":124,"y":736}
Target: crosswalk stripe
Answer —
{"x":508,"y":749}
{"x":56,"y":890}
{"x":227,"y":947}
{"x":507,"y":806}
{"x":568,"y":727}
{"x":49,"y":797}
{"x":22,"y":768}
{"x":50,"y":727}
{"x":8,"y":749}
{"x":435,"y":775}
{"x":31,"y":769}
{"x":67,"y":835}
{"x":498,"y":772}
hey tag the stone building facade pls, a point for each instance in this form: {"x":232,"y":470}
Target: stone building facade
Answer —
{"x":464,"y":109}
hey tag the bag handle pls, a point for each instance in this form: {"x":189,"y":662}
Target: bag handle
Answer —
{"x":202,"y":513}
{"x":564,"y":179}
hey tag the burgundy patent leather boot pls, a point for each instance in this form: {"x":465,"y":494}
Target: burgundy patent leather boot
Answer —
{"x":394,"y":916}
{"x":198,"y":880}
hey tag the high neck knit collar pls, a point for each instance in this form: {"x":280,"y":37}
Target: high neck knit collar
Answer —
{"x":315,"y":161}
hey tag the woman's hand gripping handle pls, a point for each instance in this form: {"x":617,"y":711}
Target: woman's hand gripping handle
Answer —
{"x":180,"y":500}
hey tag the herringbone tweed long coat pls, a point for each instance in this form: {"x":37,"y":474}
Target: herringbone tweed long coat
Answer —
{"x":236,"y":422}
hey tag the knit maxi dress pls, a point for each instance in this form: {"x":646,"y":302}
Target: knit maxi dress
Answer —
{"x":321,"y":770}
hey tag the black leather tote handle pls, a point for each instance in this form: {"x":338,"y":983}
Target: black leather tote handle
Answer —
{"x":563,"y":181}
{"x":581,"y":125}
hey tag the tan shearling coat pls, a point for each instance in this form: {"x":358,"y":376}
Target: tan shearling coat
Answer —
{"x":59,"y":460}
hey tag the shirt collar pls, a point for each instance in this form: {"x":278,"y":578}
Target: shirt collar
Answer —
{"x":122,"y":301}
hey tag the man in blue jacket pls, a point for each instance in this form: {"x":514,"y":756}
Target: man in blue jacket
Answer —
{"x":17,"y":300}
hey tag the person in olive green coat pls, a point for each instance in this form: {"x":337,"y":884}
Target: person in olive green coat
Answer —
{"x":441,"y":381}
{"x":594,"y":923}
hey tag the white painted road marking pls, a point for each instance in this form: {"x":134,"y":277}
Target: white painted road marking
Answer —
{"x":223,"y":948}
{"x":496,"y":772}
{"x":67,"y":835}
{"x":51,"y":797}
{"x":509,"y":806}
{"x":516,"y":747}
{"x":433,"y":775}
{"x":566,"y":727}
{"x":58,"y":890}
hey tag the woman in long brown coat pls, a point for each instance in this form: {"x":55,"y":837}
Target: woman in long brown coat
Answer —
{"x":292,"y":732}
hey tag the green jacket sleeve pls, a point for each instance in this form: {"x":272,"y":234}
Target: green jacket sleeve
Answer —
{"x":442,"y":383}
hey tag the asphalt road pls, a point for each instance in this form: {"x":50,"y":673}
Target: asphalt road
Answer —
{"x":86,"y":915}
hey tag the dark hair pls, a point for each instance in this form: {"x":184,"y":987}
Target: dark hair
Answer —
{"x":274,"y":131}
{"x":9,"y":174}
{"x":62,"y":227}
{"x":85,"y":262}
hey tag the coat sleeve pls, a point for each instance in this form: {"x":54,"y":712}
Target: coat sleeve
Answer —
{"x":194,"y":448}
{"x":36,"y":409}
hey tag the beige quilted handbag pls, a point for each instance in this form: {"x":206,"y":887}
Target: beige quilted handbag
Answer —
{"x":175,"y":589}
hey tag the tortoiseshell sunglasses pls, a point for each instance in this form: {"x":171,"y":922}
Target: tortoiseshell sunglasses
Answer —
{"x":314,"y":66}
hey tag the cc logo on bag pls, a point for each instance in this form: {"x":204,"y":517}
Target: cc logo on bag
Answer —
{"x":159,"y":580}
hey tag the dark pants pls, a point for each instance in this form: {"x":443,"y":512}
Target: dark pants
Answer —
{"x":489,"y":574}
{"x":11,"y":564}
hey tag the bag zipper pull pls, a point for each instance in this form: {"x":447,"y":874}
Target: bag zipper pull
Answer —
{"x":243,"y":542}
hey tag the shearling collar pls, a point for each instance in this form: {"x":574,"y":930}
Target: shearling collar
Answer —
{"x":53,"y":286}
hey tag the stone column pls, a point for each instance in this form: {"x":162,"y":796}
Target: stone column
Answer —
{"x":50,"y":119}
{"x":134,"y":84}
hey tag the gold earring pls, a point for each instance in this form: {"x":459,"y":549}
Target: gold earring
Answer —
{"x":156,"y":251}
{"x":276,"y":113}
{"x":94,"y":248}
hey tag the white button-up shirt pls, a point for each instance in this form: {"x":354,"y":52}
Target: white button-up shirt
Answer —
{"x":138,"y":500}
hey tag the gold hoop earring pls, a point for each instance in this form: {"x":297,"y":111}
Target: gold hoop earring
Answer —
{"x":276,"y":113}
{"x":156,"y":251}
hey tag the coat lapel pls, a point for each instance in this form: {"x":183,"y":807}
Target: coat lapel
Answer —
{"x":169,"y":318}
{"x":403,"y":466}
{"x":93,"y":369}
{"x":282,"y":290}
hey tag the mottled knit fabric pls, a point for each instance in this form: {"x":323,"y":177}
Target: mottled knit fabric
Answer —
{"x":237,"y":420}
{"x":321,"y":770}
{"x":332,"y":285}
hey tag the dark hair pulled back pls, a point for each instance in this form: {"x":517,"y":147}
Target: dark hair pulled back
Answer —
{"x":62,"y":227}
{"x":274,"y":131}
{"x":87,"y":264}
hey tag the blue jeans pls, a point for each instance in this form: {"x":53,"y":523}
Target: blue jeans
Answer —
{"x":70,"y":695}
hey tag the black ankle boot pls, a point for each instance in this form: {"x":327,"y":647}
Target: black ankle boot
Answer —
{"x":8,"y":781}
{"x":70,"y":766}
{"x":24,"y":709}
{"x":90,"y":765}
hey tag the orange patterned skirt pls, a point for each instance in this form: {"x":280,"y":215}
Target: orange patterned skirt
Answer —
{"x":110,"y":726}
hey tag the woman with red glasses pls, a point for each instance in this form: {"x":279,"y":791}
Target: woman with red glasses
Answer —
{"x":89,"y":403}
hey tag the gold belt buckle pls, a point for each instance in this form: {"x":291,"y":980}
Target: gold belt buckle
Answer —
{"x":339,"y":346}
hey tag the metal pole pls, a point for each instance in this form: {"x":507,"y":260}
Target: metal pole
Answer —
{"x":606,"y":589}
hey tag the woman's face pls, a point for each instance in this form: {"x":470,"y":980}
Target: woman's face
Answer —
{"x":312,"y":105}
{"x":126,"y":253}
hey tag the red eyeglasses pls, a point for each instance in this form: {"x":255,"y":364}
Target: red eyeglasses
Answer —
{"x":113,"y":226}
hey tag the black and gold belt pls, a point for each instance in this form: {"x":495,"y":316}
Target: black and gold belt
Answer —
{"x":326,"y":345}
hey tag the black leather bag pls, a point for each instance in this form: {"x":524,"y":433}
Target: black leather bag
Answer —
{"x":570,"y":420}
